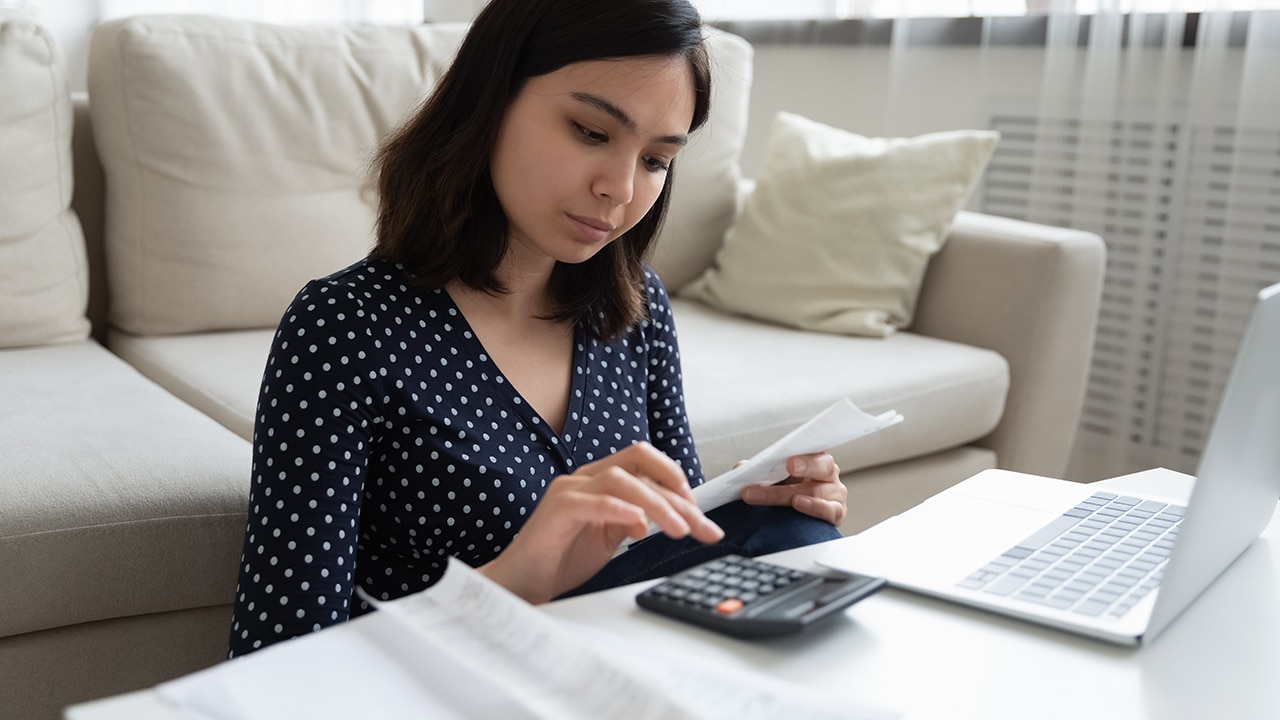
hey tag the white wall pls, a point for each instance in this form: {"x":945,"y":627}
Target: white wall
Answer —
{"x":70,"y":22}
{"x":871,"y":91}
{"x":877,"y":91}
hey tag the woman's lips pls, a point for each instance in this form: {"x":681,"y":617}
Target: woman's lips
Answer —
{"x":593,"y":229}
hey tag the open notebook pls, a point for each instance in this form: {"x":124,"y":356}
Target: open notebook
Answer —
{"x":1109,"y":565}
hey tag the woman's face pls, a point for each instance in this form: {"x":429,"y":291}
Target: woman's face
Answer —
{"x":583,"y":152}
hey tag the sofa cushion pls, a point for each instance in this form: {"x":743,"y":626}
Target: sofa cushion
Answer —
{"x":217,"y":373}
{"x":949,"y":393}
{"x":840,"y":228}
{"x":44,"y":284}
{"x":236,"y":157}
{"x":704,"y":198}
{"x":747,"y":383}
{"x":119,"y":499}
{"x":234,"y":154}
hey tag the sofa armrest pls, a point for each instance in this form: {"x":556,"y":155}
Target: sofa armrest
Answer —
{"x":1031,"y":293}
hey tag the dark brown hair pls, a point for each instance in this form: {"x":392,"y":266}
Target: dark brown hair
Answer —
{"x":438,"y":214}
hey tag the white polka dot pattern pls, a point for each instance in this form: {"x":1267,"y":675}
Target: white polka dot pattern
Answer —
{"x":387,"y":440}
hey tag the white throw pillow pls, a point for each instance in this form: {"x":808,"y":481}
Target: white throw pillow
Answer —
{"x":840,"y":228}
{"x":704,"y":198}
{"x":44,"y":278}
{"x":237,"y":155}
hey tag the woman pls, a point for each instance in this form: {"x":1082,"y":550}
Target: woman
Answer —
{"x":503,"y":361}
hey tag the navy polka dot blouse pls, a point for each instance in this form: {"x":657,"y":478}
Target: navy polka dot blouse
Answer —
{"x":387,"y":440}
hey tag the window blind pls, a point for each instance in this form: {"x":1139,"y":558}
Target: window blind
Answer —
{"x":1190,"y":212}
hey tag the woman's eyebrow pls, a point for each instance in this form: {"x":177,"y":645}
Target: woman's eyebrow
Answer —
{"x":623,"y":118}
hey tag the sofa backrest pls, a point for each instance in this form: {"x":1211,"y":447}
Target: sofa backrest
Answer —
{"x":43,"y":271}
{"x":236,"y":158}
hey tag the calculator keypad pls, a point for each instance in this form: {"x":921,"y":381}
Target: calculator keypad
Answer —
{"x":731,"y":585}
{"x":752,"y":598}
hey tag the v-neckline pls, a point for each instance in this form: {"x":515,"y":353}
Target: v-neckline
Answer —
{"x":512,"y":397}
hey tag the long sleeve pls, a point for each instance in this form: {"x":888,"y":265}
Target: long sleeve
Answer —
{"x":317,"y":410}
{"x":668,"y":421}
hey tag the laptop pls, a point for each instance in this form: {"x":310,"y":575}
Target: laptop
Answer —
{"x":1111,"y":565}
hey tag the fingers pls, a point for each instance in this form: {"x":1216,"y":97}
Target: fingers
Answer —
{"x":675,"y":514}
{"x":823,"y":500}
{"x":652,"y":500}
{"x":582,"y":517}
{"x":645,"y":461}
{"x":818,"y":466}
{"x":832,"y":511}
{"x":814,"y":489}
{"x":784,"y":493}
{"x":646,"y":478}
{"x":589,"y":507}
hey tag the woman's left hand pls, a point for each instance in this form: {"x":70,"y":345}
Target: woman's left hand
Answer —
{"x":814,"y":488}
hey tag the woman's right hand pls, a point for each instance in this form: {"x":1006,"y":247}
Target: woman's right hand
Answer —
{"x":583,"y":517}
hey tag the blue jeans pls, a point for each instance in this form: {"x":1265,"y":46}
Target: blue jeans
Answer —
{"x":749,"y":530}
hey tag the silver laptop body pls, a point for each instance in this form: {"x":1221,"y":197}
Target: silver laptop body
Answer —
{"x":967,"y":543}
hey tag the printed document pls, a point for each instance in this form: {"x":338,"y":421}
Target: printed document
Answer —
{"x":467,"y":648}
{"x":840,"y":423}
{"x":835,"y":426}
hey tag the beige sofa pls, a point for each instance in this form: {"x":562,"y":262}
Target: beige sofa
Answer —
{"x":217,"y":166}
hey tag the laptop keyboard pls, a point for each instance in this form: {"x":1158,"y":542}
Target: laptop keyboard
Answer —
{"x":1099,"y":558}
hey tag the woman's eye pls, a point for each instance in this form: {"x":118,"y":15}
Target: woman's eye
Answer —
{"x":656,"y":165}
{"x":590,"y":135}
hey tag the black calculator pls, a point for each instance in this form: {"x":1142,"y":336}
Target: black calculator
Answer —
{"x":744,"y":597}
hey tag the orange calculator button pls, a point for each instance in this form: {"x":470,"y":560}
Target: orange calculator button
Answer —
{"x":728,"y":606}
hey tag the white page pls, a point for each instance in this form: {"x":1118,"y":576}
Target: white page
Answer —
{"x":564,"y":671}
{"x":467,"y":648}
{"x":341,"y":673}
{"x":555,"y":675}
{"x":840,"y":423}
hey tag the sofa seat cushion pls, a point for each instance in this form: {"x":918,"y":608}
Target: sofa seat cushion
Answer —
{"x":747,"y":383}
{"x":119,"y":499}
{"x":217,"y":373}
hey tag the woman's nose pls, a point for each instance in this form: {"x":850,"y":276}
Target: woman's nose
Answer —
{"x":615,"y":180}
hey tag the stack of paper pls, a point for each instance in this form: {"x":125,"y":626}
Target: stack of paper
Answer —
{"x":467,"y":648}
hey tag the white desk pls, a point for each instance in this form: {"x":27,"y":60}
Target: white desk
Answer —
{"x":930,"y":659}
